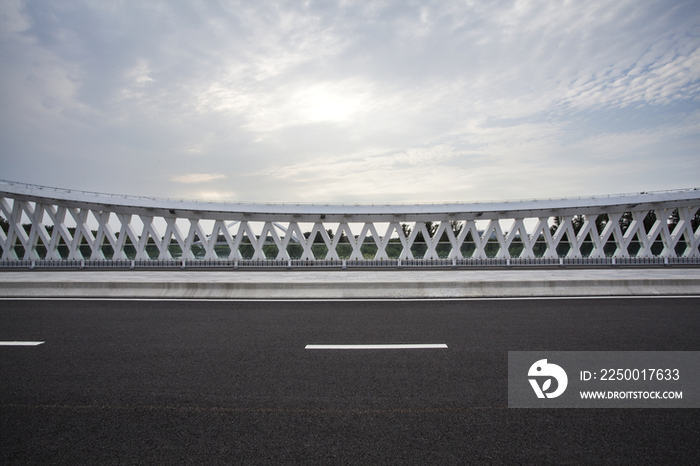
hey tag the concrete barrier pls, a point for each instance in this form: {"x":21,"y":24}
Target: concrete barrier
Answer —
{"x":350,"y":284}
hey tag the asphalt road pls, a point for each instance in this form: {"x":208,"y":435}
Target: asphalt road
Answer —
{"x":177,"y":382}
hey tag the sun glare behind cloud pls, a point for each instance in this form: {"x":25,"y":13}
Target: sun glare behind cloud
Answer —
{"x":334,"y":103}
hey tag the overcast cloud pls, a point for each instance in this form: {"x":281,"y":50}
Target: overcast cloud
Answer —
{"x":351,"y":101}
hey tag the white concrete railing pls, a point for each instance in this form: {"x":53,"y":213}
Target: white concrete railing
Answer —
{"x":56,"y":227}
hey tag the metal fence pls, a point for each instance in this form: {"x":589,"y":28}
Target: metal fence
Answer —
{"x":49,"y":228}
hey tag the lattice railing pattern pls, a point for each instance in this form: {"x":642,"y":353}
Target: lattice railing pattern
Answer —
{"x":50,"y":230}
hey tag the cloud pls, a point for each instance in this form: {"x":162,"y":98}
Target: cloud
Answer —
{"x":214,"y":195}
{"x":198,"y":177}
{"x":350,"y":100}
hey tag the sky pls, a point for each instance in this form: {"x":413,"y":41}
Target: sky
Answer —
{"x":351,"y":101}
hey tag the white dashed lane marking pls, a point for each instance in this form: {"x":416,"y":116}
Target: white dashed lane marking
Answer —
{"x":21,"y":343}
{"x":371,"y":347}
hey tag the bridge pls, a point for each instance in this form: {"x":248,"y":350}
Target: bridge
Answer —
{"x":201,"y":357}
{"x":52,"y":227}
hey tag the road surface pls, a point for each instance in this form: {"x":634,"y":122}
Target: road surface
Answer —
{"x":233,"y":382}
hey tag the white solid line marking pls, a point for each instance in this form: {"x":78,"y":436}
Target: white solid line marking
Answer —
{"x":320,"y":300}
{"x":395,"y":346}
{"x":21,"y":343}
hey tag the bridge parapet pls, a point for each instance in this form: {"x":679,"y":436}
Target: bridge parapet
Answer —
{"x":49,"y":227}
